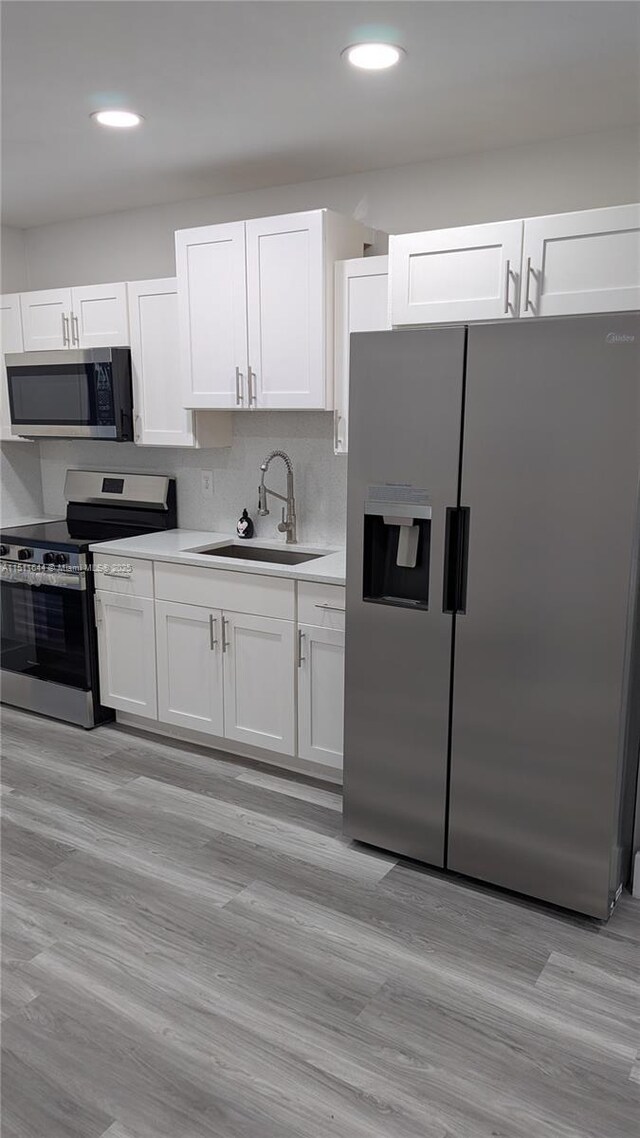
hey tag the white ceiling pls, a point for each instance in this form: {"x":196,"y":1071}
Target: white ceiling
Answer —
{"x":242,"y":95}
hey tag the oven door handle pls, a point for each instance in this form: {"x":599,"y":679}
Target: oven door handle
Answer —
{"x":48,"y":578}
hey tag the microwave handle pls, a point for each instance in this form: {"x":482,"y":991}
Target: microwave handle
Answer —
{"x":126,"y":424}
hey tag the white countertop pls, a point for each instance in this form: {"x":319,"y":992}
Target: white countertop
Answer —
{"x":180,"y":546}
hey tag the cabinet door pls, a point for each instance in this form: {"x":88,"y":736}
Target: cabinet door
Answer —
{"x":582,"y":262}
{"x":362,"y":305}
{"x":99,"y":316}
{"x":259,"y":702}
{"x":189,"y":654}
{"x":11,"y":342}
{"x":446,"y":275}
{"x":320,"y":695}
{"x":212,"y":307}
{"x":127,"y":653}
{"x":286,"y":310}
{"x":46,"y":319}
{"x":161,"y":419}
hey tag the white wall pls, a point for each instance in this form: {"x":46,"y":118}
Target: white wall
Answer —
{"x":13,"y":261}
{"x":320,"y":477}
{"x":20,"y":480}
{"x":576,"y":173}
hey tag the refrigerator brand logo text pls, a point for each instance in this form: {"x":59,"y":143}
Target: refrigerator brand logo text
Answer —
{"x":619,"y":338}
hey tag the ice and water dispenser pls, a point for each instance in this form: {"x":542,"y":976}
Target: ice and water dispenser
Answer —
{"x":397,"y":546}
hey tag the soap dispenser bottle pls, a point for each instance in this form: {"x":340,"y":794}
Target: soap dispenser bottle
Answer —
{"x":244,"y":527}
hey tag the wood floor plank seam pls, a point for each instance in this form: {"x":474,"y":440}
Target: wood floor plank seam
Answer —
{"x":193,"y":950}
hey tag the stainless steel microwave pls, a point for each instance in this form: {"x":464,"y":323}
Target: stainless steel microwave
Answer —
{"x":77,"y":394}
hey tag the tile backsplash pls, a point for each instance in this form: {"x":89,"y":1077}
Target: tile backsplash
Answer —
{"x":306,"y":436}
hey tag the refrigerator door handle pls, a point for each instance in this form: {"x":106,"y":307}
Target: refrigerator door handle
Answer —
{"x":456,"y":558}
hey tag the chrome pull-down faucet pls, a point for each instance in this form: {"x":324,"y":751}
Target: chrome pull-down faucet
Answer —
{"x":288,"y":523}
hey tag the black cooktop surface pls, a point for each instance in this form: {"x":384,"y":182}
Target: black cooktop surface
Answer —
{"x":67,"y":535}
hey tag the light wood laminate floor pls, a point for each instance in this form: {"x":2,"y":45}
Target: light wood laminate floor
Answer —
{"x":192,"y":950}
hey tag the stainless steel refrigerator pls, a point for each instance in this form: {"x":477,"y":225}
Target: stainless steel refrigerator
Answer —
{"x":492,"y":718}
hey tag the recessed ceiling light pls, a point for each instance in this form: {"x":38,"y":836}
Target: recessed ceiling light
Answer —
{"x":121,"y":119}
{"x":373,"y":56}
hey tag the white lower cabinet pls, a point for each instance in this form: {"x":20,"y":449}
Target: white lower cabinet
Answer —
{"x":127,"y":653}
{"x":189,"y":655}
{"x":320,"y":694}
{"x":262,"y":681}
{"x":259,"y":681}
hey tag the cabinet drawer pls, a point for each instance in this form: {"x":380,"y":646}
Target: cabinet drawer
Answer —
{"x":224,"y":589}
{"x":129,"y":575}
{"x":321,"y":605}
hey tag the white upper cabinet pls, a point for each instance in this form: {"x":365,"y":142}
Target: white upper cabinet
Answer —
{"x":99,"y":316}
{"x":11,"y":333}
{"x":92,"y":316}
{"x":46,"y":319}
{"x":160,"y":417}
{"x":256,"y":309}
{"x":582,"y":262}
{"x":452,"y":275}
{"x":211,"y":270}
{"x":560,"y":265}
{"x":361,"y":305}
{"x":286,"y":310}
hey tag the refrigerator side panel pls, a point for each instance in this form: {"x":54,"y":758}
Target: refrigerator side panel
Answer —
{"x":405,"y":416}
{"x":542,"y":666}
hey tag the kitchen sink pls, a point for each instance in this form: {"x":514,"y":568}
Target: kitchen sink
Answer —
{"x":260,"y":553}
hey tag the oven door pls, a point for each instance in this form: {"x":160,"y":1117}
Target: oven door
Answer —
{"x":63,"y":394}
{"x":46,"y":631}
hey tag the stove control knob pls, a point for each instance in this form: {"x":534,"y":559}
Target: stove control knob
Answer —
{"x":4,"y":549}
{"x":49,"y":558}
{"x":60,"y":558}
{"x":25,"y":554}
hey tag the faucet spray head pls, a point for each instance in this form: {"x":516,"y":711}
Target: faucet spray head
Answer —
{"x":262,"y":500}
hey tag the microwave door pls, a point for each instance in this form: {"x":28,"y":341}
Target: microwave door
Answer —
{"x":65,"y":394}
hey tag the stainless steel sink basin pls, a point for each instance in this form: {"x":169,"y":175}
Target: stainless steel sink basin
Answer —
{"x":259,"y":553}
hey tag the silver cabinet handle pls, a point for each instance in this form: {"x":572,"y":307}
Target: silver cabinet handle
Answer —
{"x":66,"y":342}
{"x":213,"y":639}
{"x":301,"y":658}
{"x":507,"y":287}
{"x":138,"y":432}
{"x":336,"y":429}
{"x":239,"y":395}
{"x":330,"y":608}
{"x":251,"y":375}
{"x":98,"y":610}
{"x":225,"y":642}
{"x":74,"y":329}
{"x":527,"y":289}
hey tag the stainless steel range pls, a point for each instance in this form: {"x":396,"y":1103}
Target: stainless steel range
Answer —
{"x":48,"y":652}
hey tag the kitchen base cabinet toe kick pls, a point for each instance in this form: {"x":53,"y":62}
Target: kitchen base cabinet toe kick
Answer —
{"x":255,"y":665}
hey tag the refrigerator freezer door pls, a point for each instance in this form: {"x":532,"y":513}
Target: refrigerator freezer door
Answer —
{"x":405,"y":416}
{"x":550,"y":473}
